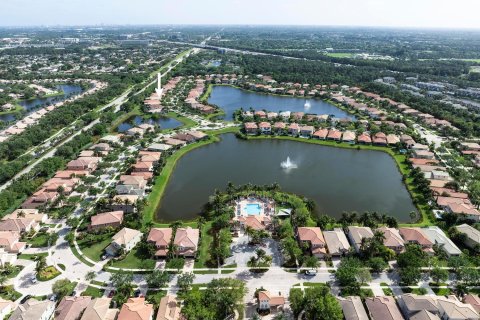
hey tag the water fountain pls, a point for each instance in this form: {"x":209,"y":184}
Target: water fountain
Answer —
{"x":288,"y":164}
{"x":307,"y":105}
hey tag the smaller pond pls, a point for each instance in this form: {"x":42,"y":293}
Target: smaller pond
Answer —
{"x":162,"y":122}
{"x":34,"y":104}
{"x":231,"y":99}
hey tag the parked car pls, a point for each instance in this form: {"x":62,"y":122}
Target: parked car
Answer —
{"x":53,"y":297}
{"x":137,"y":293}
{"x":311,"y":272}
{"x":111,"y":293}
{"x":25,"y":298}
{"x":33,"y":279}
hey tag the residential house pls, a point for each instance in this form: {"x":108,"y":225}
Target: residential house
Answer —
{"x":336,"y":242}
{"x":112,"y":219}
{"x":313,"y":238}
{"x":186,"y":241}
{"x":256,"y":222}
{"x":265,"y":127}
{"x":383,"y":308}
{"x":33,"y":309}
{"x":7,"y":258}
{"x":268,"y":301}
{"x":19,"y":225}
{"x":278,"y":127}
{"x":464,"y":209}
{"x":348,"y":136}
{"x":392,"y":139}
{"x":99,"y":309}
{"x":124,"y":202}
{"x":412,"y":304}
{"x":142,"y":166}
{"x":136,"y":309}
{"x":423,"y":154}
{"x":357,"y":234}
{"x":33,"y":214}
{"x":294,"y":129}
{"x":168,"y":308}
{"x":380,"y":139}
{"x":71,"y":308}
{"x":39,"y":199}
{"x":364,"y":138}
{"x":175,"y":142}
{"x":473,"y":300}
{"x":306,"y":131}
{"x":472,"y":236}
{"x":437,"y":236}
{"x":251,"y":128}
{"x":126,"y":239}
{"x":161,"y":237}
{"x":417,"y":236}
{"x":320,"y":134}
{"x":10,"y":242}
{"x":393,"y":240}
{"x":83,"y":164}
{"x":334,"y":134}
{"x":452,"y":309}
{"x":353,"y":308}
{"x":6,"y":307}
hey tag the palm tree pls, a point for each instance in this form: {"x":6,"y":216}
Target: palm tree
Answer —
{"x":249,"y":232}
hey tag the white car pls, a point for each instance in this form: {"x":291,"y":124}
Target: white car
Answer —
{"x":311,"y":272}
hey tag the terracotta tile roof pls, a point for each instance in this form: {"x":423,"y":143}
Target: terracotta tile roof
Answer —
{"x":136,"y":309}
{"x":311,"y":234}
{"x":99,"y":309}
{"x":392,"y":237}
{"x":107,"y":218}
{"x":187,"y":237}
{"x":415,"y":235}
{"x":272,"y":300}
{"x":168,"y":309}
{"x":71,"y":308}
{"x":161,"y":236}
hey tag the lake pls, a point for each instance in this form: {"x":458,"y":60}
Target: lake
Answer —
{"x":230,"y":99}
{"x":33,"y":104}
{"x":336,"y":179}
{"x":162,"y":122}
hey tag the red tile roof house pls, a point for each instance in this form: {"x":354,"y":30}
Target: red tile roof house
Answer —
{"x":186,"y":241}
{"x":112,"y":219}
{"x":261,"y":114}
{"x":320,"y":134}
{"x":257,"y":222}
{"x":392,"y":139}
{"x":19,"y":225}
{"x":380,"y":139}
{"x":313,"y":237}
{"x":334,"y":134}
{"x":142,"y":166}
{"x":463,"y":209}
{"x":298,"y":115}
{"x":417,"y":236}
{"x":251,"y":128}
{"x":84,"y":164}
{"x":161,"y":237}
{"x":306,"y":131}
{"x":152,"y":156}
{"x":278,"y":127}
{"x":265,"y":127}
{"x":136,"y":181}
{"x":294,"y":129}
{"x":40,"y":198}
{"x":268,"y":301}
{"x":364,"y":138}
{"x":10,"y":242}
{"x":136,"y":309}
{"x":71,"y":307}
{"x":393,"y":240}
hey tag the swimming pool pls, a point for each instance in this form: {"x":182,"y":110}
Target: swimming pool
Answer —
{"x":253,"y":209}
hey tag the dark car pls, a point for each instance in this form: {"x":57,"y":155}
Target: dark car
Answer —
{"x":25,"y":298}
{"x":111,"y":294}
{"x":137,"y":293}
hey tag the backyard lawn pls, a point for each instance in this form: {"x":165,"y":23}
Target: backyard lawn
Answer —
{"x":204,"y":250}
{"x":40,"y":240}
{"x":134,"y":260}
{"x":93,"y":292}
{"x":94,"y":250}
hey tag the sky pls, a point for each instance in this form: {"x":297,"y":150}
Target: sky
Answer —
{"x":458,"y":14}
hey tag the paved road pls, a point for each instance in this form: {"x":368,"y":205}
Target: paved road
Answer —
{"x":117,"y":103}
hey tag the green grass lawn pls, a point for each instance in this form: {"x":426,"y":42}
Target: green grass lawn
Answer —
{"x":15,"y":273}
{"x":134,"y":260}
{"x":40,"y":240}
{"x":8,"y":293}
{"x":339,"y":54}
{"x":387,"y":291}
{"x":79,"y":256}
{"x":93,"y":292}
{"x":441,"y":291}
{"x":204,"y":250}
{"x":154,"y":296}
{"x":95,"y":250}
{"x":27,"y":256}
